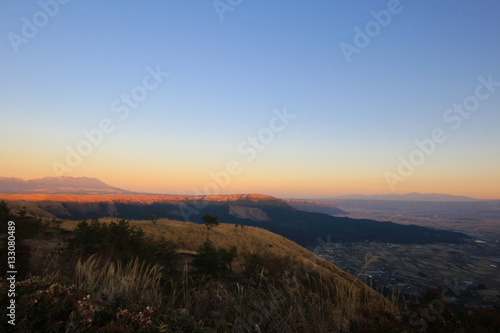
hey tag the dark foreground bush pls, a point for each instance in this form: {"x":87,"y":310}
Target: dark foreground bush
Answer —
{"x":119,"y":240}
{"x":212,"y":261}
{"x":45,"y":305}
{"x":24,"y":226}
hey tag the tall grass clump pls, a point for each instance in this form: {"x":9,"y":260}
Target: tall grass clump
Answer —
{"x":112,"y":279}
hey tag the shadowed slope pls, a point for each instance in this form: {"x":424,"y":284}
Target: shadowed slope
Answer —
{"x":248,"y":209}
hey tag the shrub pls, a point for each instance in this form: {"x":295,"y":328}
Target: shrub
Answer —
{"x":117,"y":236}
{"x":44,"y":305}
{"x":47,"y":305}
{"x":161,"y":252}
{"x":253,"y":265}
{"x":26,"y":226}
{"x":5,"y":212}
{"x":212,"y":261}
{"x":121,"y":241}
{"x":227,"y":256}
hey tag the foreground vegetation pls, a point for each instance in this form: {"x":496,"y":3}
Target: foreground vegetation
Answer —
{"x":113,"y":275}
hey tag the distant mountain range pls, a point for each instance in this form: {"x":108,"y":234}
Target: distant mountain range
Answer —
{"x":415,"y":196}
{"x":58,"y":185}
{"x":85,"y":198}
{"x":87,"y":185}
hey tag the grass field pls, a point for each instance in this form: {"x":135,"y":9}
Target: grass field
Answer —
{"x":315,"y":295}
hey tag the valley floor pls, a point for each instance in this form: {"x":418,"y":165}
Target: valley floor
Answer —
{"x":468,"y":273}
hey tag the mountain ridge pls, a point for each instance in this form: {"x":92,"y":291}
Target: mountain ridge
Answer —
{"x":139,"y":198}
{"x":58,"y":185}
{"x":270,"y":213}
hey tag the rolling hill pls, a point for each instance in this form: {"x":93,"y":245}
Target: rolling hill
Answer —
{"x":286,"y":285}
{"x":256,"y":210}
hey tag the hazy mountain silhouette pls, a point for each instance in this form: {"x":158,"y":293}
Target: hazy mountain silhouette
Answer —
{"x":58,"y":185}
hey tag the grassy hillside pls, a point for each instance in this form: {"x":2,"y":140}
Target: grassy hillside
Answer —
{"x":189,"y":236}
{"x":273,"y":285}
{"x":139,"y":276}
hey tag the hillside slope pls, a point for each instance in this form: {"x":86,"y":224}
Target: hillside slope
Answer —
{"x":109,"y":276}
{"x":189,"y":236}
{"x":248,"y":209}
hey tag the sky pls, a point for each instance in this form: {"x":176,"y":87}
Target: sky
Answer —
{"x":287,"y":98}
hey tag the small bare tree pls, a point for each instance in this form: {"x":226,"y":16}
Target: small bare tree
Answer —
{"x":210,"y":221}
{"x":154,"y":216}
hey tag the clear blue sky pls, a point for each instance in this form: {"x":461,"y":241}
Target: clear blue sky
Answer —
{"x":353,"y":120}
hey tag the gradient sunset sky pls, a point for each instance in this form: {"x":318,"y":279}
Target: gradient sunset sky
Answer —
{"x":304,"y":99}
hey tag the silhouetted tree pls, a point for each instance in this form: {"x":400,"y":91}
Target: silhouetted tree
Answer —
{"x":154,"y":216}
{"x":210,"y":221}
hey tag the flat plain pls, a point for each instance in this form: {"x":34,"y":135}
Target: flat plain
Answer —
{"x":468,"y":273}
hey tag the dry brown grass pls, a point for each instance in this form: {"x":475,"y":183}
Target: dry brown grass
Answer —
{"x":311,"y":289}
{"x":189,"y":236}
{"x":112,"y":279}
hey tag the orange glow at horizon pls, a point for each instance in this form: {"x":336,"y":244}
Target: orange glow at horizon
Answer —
{"x":189,"y":179}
